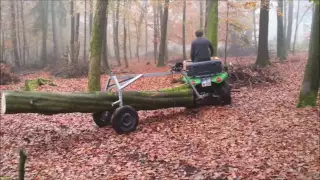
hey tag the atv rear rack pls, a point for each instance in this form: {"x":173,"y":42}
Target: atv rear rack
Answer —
{"x":121,"y":82}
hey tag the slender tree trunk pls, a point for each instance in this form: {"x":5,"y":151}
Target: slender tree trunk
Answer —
{"x":54,"y":37}
{"x":14,"y":35}
{"x":116,"y":32}
{"x":184,"y":30}
{"x":201,"y":14}
{"x":296,"y":29}
{"x":146,"y":39}
{"x":138,"y":31}
{"x":44,"y":32}
{"x":155,"y":32}
{"x":72,"y":37}
{"x":227,"y":32}
{"x":1,"y":35}
{"x":163,"y":34}
{"x":281,"y":53}
{"x":85,"y":33}
{"x":18,"y":35}
{"x":129,"y":38}
{"x":289,"y":27}
{"x":284,"y":5}
{"x":255,"y":29}
{"x":311,"y":80}
{"x":25,"y":48}
{"x":125,"y":42}
{"x":76,"y":41}
{"x":263,"y":52}
{"x":212,"y":24}
{"x":22,"y":161}
{"x":96,"y":46}
{"x":91,"y":17}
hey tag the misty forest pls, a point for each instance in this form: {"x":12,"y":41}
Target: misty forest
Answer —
{"x":117,"y":89}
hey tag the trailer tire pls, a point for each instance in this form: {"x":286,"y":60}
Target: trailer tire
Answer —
{"x":102,"y":119}
{"x":125,"y":119}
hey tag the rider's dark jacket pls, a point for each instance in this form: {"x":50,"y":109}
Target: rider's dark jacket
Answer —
{"x":200,"y":50}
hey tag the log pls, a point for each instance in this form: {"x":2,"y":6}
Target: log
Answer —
{"x":14,"y":102}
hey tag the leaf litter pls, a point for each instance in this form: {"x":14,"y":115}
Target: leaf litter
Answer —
{"x":262,"y":135}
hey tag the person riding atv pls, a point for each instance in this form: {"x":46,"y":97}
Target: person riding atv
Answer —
{"x":200,"y":48}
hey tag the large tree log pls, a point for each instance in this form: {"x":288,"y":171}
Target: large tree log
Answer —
{"x":53,"y":103}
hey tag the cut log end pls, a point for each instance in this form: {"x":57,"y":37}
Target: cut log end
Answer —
{"x":3,"y":103}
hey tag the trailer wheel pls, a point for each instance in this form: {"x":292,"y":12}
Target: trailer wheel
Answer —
{"x":225,"y":94}
{"x":125,"y":119}
{"x":102,"y":119}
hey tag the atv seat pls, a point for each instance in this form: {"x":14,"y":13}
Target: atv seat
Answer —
{"x":204,"y":68}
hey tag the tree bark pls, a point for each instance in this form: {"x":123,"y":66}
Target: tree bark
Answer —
{"x":201,"y":14}
{"x":155,"y":32}
{"x":85,"y":33}
{"x":184,"y":30}
{"x":22,"y":161}
{"x":263,"y":52}
{"x":14,"y":35}
{"x":289,"y":27}
{"x":72,"y":54}
{"x":164,"y":24}
{"x":90,"y":17}
{"x":125,"y":40}
{"x":281,"y":48}
{"x":212,"y":24}
{"x":284,"y":5}
{"x":54,"y":37}
{"x":104,"y":51}
{"x":1,"y":35}
{"x":96,"y":46}
{"x":227,"y":32}
{"x":138,"y":31}
{"x":255,"y":29}
{"x":54,"y":103}
{"x":116,"y":32}
{"x":296,"y":29}
{"x":44,"y":32}
{"x":129,"y":38}
{"x":18,"y":35}
{"x":311,"y":80}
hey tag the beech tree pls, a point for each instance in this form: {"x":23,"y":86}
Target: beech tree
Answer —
{"x":263,"y":52}
{"x":212,"y":24}
{"x":311,"y":80}
{"x":281,"y":48}
{"x":289,"y":27}
{"x":164,"y":25}
{"x":184,"y":30}
{"x":14,"y":35}
{"x":96,"y":45}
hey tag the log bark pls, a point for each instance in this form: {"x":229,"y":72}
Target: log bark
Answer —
{"x":53,"y":103}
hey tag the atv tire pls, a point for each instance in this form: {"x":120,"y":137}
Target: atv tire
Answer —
{"x":225,"y":94}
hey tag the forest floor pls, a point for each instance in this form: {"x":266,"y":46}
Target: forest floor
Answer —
{"x":262,"y":135}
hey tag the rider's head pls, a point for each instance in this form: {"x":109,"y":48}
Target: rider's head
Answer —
{"x":199,"y":33}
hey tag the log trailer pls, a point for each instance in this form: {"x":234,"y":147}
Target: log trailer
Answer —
{"x":207,"y":79}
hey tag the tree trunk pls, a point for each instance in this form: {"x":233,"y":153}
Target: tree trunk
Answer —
{"x":25,"y":48}
{"x":212,"y":24}
{"x":14,"y":102}
{"x":96,"y":45}
{"x":44,"y":32}
{"x":138,"y":31}
{"x":184,"y":30}
{"x":255,"y":29}
{"x":116,"y":32}
{"x":284,"y":5}
{"x":146,"y":39}
{"x":289,"y":27}
{"x":125,"y":42}
{"x":311,"y":81}
{"x":201,"y":14}
{"x":90,"y":17}
{"x":281,"y":53}
{"x":18,"y":34}
{"x":296,"y":29}
{"x":54,"y":37}
{"x":164,"y":24}
{"x":85,"y":33}
{"x":72,"y":54}
{"x":22,"y":161}
{"x":129,"y":38}
{"x":263,"y":52}
{"x":14,"y":35}
{"x":155,"y":32}
{"x":76,"y":41}
{"x":227,"y":32}
{"x":1,"y":35}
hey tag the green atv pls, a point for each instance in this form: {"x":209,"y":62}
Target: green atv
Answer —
{"x":209,"y":79}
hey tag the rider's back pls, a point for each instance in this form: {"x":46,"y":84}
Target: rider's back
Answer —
{"x":200,"y":49}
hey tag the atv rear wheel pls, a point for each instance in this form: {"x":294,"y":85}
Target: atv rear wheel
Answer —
{"x":225,"y":94}
{"x":102,"y":119}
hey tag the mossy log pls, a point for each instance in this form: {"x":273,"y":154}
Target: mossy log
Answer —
{"x":14,"y":102}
